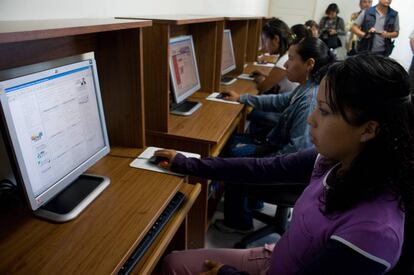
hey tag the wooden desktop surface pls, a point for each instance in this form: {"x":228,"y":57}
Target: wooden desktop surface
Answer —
{"x":175,"y":19}
{"x":210,"y":123}
{"x":104,"y":235}
{"x":206,"y":129}
{"x":18,"y":31}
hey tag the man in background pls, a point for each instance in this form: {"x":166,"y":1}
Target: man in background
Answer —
{"x":376,"y":27}
{"x":352,"y":39}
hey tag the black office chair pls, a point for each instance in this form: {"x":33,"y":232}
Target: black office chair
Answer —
{"x":285,"y":199}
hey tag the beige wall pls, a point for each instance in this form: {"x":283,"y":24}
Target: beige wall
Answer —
{"x":48,"y":9}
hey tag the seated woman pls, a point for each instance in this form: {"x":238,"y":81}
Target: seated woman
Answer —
{"x":356,"y":215}
{"x":289,"y":128}
{"x":277,"y":38}
{"x":307,"y":61}
{"x":313,"y":27}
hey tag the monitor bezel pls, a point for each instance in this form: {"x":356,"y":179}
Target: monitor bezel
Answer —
{"x":233,"y":66}
{"x":194,"y":89}
{"x":9,"y":133}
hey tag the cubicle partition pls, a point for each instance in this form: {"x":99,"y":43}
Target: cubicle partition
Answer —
{"x":104,"y":236}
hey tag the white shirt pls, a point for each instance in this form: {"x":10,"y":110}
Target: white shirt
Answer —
{"x":284,"y":84}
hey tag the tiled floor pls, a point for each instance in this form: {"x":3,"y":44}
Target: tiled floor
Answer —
{"x":217,"y":239}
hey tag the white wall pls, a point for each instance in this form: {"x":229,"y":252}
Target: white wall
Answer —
{"x":293,"y":12}
{"x":48,"y":9}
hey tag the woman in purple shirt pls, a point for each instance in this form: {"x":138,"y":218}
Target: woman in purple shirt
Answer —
{"x":359,"y":202}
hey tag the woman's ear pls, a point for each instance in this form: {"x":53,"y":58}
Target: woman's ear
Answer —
{"x":370,"y":130}
{"x":310,"y":63}
{"x":276,"y":41}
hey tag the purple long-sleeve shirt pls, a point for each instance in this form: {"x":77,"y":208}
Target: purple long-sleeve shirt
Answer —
{"x":372,"y":229}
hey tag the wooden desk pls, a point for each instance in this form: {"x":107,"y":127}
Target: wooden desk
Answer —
{"x":105,"y":234}
{"x":101,"y":239}
{"x":205,"y":132}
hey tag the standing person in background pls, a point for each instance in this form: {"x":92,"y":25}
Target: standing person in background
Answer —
{"x":412,"y":64}
{"x":352,"y":39}
{"x":331,"y":26}
{"x":313,"y":27}
{"x":376,"y":27}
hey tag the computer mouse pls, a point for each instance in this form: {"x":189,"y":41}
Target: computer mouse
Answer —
{"x":157,"y":159}
{"x":221,"y":95}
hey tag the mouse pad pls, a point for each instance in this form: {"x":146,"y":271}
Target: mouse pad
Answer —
{"x":142,"y":161}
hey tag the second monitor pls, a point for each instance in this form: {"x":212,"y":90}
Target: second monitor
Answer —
{"x":228,"y":62}
{"x":185,"y":79}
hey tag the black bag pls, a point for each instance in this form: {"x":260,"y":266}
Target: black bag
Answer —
{"x":333,"y":41}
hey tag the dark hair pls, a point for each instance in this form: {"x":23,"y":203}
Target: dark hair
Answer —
{"x":364,"y":88}
{"x":311,"y":23}
{"x":312,"y":47}
{"x":333,"y":7}
{"x":277,"y":27}
{"x":300,"y":32}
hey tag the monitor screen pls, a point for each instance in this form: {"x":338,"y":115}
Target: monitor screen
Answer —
{"x":55,"y":124}
{"x":183,"y":68}
{"x":228,"y":62}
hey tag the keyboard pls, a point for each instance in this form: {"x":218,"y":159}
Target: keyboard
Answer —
{"x":149,"y":238}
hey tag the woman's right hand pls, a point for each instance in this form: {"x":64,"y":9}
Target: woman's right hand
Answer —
{"x":258,"y":76}
{"x":230,"y":95}
{"x":166,"y":153}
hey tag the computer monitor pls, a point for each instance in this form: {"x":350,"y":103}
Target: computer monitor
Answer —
{"x":184,"y":75}
{"x":228,"y":62}
{"x":55,"y":130}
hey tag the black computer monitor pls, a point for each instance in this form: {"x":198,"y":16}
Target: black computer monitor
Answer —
{"x":228,"y":62}
{"x":184,"y":75}
{"x":55,"y":129}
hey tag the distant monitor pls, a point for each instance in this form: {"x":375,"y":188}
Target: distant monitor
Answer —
{"x":184,"y":75}
{"x":228,"y":62}
{"x":55,"y":128}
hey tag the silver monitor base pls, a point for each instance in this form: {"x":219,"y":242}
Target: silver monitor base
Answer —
{"x":69,"y":203}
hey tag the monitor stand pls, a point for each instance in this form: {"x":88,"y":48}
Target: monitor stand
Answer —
{"x":69,"y":203}
{"x":185,"y":108}
{"x":227,"y":80}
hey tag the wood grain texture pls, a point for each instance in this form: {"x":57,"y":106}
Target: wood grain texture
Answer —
{"x":176,"y":19}
{"x":156,"y":76}
{"x":156,"y":250}
{"x":253,"y":37}
{"x":101,"y":238}
{"x":27,"y":30}
{"x":239,"y":29}
{"x":205,"y":42}
{"x":119,"y":57}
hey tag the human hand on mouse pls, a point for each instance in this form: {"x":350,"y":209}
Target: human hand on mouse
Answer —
{"x":258,"y":76}
{"x":256,"y":73}
{"x":230,"y":95}
{"x":168,"y":154}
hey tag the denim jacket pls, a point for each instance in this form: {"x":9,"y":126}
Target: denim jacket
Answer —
{"x":291,"y":133}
